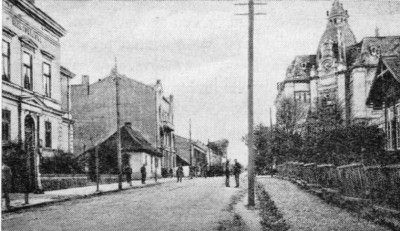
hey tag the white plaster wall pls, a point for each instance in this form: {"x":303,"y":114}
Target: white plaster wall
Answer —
{"x":359,"y":93}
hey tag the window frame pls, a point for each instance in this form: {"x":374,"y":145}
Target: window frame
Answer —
{"x":7,"y":122}
{"x":48,"y":134}
{"x":397,"y":121}
{"x":389,"y":130}
{"x":6,"y":77}
{"x":30,"y":68}
{"x":47,"y":79}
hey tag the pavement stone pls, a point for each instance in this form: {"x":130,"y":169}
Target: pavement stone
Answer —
{"x":50,"y":197}
{"x":305,"y":211}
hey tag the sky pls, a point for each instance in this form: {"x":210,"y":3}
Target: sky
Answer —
{"x":198,"y":49}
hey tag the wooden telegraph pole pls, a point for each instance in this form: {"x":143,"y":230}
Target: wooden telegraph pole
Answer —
{"x":119,"y":156}
{"x":251,"y":175}
{"x":250,"y":143}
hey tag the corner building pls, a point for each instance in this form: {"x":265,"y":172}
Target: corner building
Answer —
{"x":342,"y":70}
{"x":35,"y":91}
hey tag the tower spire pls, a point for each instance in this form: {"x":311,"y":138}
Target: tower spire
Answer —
{"x":114,"y":70}
{"x":376,"y":31}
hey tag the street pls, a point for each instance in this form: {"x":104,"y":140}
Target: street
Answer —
{"x":198,"y":204}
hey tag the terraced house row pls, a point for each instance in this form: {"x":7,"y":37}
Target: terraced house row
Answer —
{"x":47,"y":117}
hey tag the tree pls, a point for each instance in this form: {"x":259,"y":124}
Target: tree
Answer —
{"x":291,"y":114}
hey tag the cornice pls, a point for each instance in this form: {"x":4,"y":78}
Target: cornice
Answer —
{"x":40,"y":16}
{"x":47,"y":54}
{"x":8,"y":32}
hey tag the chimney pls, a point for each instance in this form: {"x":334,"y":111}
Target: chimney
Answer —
{"x":128,"y":124}
{"x":85,"y":80}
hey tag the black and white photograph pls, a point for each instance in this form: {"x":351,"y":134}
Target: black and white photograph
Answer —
{"x":200,"y":115}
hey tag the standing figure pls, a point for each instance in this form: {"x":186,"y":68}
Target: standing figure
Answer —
{"x":179,"y":173}
{"x":191,"y":172}
{"x":171,"y":173}
{"x":227,"y":173}
{"x":6,"y":176}
{"x":128,"y":174}
{"x":143,"y":172}
{"x":237,"y":169}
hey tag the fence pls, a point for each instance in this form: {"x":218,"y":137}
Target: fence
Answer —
{"x":380,"y":184}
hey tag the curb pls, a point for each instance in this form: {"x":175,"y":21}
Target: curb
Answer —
{"x":94,"y":194}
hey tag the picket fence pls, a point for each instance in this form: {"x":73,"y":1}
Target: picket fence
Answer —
{"x":379,"y":184}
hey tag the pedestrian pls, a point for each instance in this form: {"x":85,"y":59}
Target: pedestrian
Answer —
{"x":227,"y":173}
{"x":6,"y":176}
{"x":205,"y":170}
{"x":191,"y":172}
{"x":171,"y":173}
{"x":128,"y":174}
{"x":237,"y":169}
{"x":179,"y":173}
{"x":143,"y":173}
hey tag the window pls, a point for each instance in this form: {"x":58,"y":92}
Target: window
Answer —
{"x":398,"y":126}
{"x":47,"y":79}
{"x":6,"y":60}
{"x":27,"y":70}
{"x":302,"y":96}
{"x":389,"y":129}
{"x":47,"y":128}
{"x":6,"y":125}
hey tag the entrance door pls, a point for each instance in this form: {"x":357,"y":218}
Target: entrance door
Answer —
{"x":30,"y":151}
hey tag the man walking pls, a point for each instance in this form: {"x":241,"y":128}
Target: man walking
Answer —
{"x":143,"y":173}
{"x":237,"y":169}
{"x":128,"y":174}
{"x":227,"y":173}
{"x":179,"y":173}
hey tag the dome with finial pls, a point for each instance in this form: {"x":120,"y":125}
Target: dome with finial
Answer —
{"x":337,"y":10}
{"x":337,"y":34}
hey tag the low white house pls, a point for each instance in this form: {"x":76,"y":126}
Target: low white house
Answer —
{"x":135,"y":149}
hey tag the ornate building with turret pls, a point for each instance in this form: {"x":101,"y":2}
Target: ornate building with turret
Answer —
{"x":342,"y":70}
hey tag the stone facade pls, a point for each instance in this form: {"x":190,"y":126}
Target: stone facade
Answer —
{"x":144,"y":106}
{"x":34,"y":86}
{"x":341,"y":71}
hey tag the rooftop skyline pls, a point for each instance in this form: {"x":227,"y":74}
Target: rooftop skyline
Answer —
{"x":198,"y":50}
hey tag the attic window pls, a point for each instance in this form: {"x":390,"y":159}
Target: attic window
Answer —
{"x":303,"y":65}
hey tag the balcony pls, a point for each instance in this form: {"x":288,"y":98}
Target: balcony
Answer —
{"x":166,"y":122}
{"x":168,"y":125}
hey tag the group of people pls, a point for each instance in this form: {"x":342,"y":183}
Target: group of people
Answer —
{"x":237,"y":169}
{"x":143,"y":173}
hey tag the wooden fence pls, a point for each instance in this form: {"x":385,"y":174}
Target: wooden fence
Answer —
{"x":380,"y":184}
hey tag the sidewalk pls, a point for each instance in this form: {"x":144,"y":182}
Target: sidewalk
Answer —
{"x":50,"y":197}
{"x":304,"y":211}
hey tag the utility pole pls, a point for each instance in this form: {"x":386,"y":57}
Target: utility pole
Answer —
{"x":96,"y":153}
{"x":251,"y":175}
{"x":190,"y":142}
{"x":251,"y":157}
{"x":119,"y":156}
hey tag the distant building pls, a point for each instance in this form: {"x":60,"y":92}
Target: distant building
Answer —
{"x":341,"y":71}
{"x":218,"y":152}
{"x":35,"y":87}
{"x":183,"y":151}
{"x":144,"y":106}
